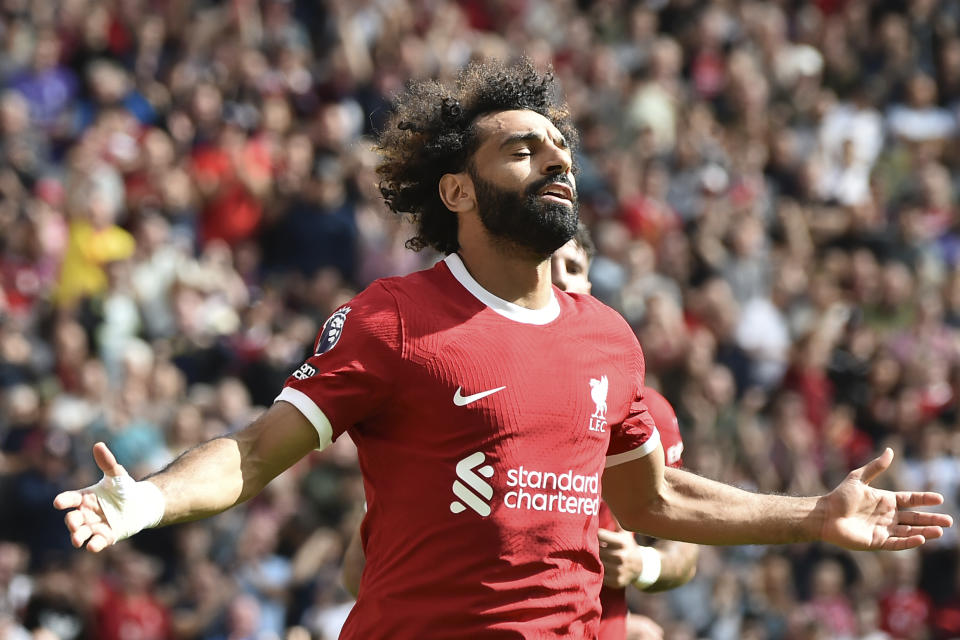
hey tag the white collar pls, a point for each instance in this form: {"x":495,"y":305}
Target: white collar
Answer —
{"x":509,"y":310}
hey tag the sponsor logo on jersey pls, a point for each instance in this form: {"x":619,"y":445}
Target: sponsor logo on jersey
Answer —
{"x":566,"y":492}
{"x":304,"y":372}
{"x":530,"y":489}
{"x":467,"y":476}
{"x":332,"y":329}
{"x":598,"y":393}
{"x":462,"y":401}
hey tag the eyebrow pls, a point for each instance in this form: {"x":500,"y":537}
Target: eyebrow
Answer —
{"x":532,"y":136}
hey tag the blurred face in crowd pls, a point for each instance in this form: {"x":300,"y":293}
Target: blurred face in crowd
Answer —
{"x":569,"y":267}
{"x":46,"y":53}
{"x":522,"y":181}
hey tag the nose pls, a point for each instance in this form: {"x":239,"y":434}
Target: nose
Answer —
{"x":558,"y":161}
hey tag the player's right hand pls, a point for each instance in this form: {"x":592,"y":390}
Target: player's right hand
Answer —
{"x":113,"y":509}
{"x":85,"y":518}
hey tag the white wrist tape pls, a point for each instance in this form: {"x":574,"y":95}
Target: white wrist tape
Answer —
{"x":128,"y":505}
{"x":650,"y":571}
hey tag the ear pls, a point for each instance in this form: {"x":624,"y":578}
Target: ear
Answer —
{"x":456,"y":192}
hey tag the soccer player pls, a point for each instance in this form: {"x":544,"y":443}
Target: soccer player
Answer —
{"x":484,"y":407}
{"x":667,"y":565}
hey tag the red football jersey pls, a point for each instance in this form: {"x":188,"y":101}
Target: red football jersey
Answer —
{"x":483,"y":429}
{"x":613,"y":602}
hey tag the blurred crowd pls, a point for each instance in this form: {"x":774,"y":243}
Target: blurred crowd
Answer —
{"x":187,"y":190}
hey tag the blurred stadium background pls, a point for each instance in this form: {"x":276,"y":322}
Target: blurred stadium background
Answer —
{"x":187,"y":190}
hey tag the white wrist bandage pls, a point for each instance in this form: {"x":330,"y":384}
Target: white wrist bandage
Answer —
{"x":128,"y":505}
{"x":650,"y":571}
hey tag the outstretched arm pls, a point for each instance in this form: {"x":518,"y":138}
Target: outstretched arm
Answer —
{"x":203,"y":481}
{"x":684,"y":506}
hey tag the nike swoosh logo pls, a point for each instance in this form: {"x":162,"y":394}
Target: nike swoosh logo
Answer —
{"x":462,"y":401}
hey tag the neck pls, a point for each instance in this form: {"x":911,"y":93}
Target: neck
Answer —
{"x":508,"y":273}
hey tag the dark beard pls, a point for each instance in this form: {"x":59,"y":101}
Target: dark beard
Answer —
{"x":523,"y":219}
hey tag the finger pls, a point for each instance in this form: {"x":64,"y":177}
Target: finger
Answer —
{"x":80,"y":535}
{"x":67,"y":500}
{"x":612,"y":578}
{"x":875,"y":467}
{"x":906,"y":499}
{"x":899,"y":544}
{"x":91,"y":517}
{"x":103,"y":530}
{"x":932,"y":533}
{"x":74,"y":520}
{"x":905,"y":531}
{"x":106,"y":461}
{"x":97,"y":544}
{"x":102,"y":538}
{"x":610,"y":539}
{"x":924,"y":518}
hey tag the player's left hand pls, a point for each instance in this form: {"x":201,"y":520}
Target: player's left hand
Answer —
{"x":857,"y":516}
{"x":621,"y":563}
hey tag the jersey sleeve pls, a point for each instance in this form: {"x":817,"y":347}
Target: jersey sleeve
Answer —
{"x":637,"y":435}
{"x":351,"y":373}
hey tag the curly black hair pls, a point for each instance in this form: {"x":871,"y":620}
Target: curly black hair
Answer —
{"x":431,"y":132}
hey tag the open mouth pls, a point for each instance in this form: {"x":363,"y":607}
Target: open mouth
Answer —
{"x":557,"y":191}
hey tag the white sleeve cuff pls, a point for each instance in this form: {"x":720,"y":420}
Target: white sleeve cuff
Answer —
{"x":649,"y":569}
{"x":311,"y":412}
{"x":645,"y":449}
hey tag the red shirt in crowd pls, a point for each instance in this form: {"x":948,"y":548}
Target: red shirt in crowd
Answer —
{"x":232,"y":212}
{"x":132,"y":617}
{"x":905,"y":613}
